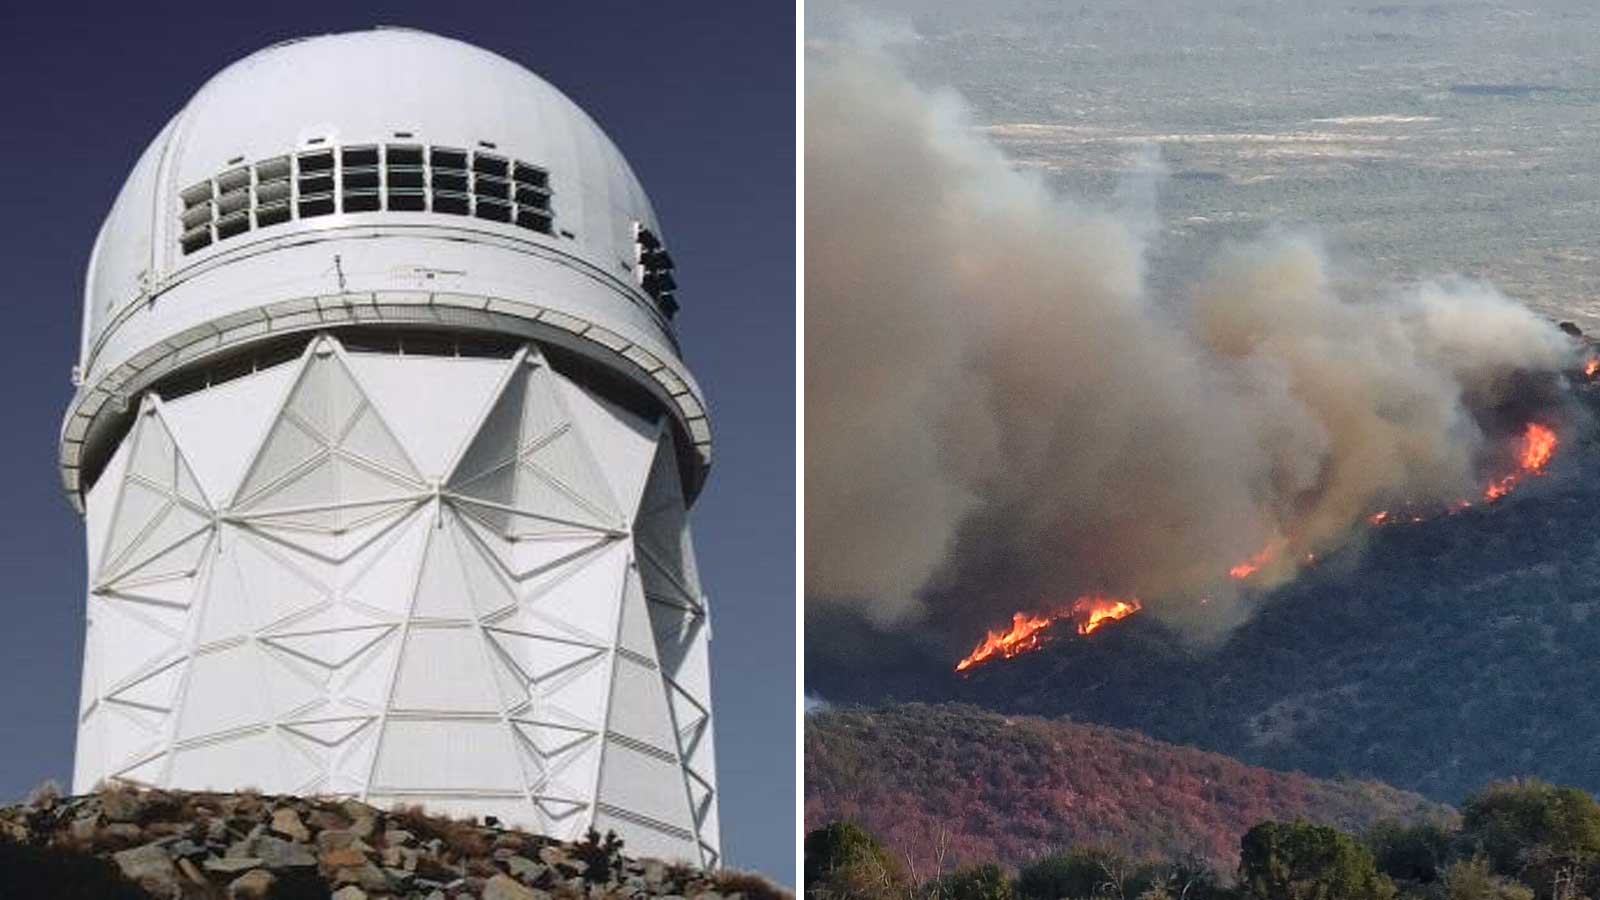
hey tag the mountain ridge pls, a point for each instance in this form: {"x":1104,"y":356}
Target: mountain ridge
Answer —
{"x":982,"y":786}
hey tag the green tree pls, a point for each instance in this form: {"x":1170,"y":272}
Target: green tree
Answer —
{"x":844,"y":862}
{"x":1409,"y":852}
{"x":1523,"y":824}
{"x":1474,"y":879}
{"x":1083,"y":872}
{"x":1301,"y":861}
{"x":985,"y":882}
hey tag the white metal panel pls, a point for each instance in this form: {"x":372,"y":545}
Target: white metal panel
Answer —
{"x":432,"y":403}
{"x":623,"y":443}
{"x":101,"y":504}
{"x":435,"y":755}
{"x":219,"y":426}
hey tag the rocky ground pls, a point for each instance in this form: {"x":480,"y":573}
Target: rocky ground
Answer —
{"x":125,"y":843}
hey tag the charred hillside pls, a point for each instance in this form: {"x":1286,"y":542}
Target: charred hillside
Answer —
{"x":1435,"y":656}
{"x":988,"y":787}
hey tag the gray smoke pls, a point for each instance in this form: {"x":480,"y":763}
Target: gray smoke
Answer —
{"x":1000,"y":415}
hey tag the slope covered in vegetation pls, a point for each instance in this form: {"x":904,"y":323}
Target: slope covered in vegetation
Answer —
{"x":982,"y":786}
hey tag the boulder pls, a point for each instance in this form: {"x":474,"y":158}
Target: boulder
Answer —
{"x":150,"y":866}
{"x":281,"y":854}
{"x":504,"y":887}
{"x":230,"y":865}
{"x":286,"y":821}
{"x":252,"y":885}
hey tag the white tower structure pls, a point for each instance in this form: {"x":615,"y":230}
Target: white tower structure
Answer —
{"x":385,"y":449}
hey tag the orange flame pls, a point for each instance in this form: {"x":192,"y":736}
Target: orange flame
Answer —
{"x":1253,"y":565}
{"x":1028,"y":632}
{"x":1101,"y":610}
{"x":1023,"y":636}
{"x":1592,"y":367}
{"x":1538,"y":447}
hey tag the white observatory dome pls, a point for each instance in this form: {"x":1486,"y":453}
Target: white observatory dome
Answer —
{"x":385,"y":453}
{"x":278,"y":240}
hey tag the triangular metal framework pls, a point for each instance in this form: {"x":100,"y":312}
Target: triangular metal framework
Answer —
{"x":505,"y":638}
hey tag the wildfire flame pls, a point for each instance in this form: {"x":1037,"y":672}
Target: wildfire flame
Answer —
{"x":1101,"y":610}
{"x":1592,"y":367}
{"x":1023,"y":636}
{"x":1253,"y":564}
{"x":1538,"y":446}
{"x":1028,"y":632}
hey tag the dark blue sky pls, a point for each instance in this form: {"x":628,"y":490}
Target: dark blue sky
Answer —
{"x":700,"y":98}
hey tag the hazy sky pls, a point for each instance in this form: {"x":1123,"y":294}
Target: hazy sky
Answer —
{"x":700,"y":99}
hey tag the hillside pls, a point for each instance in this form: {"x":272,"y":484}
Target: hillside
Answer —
{"x":1436,"y":657}
{"x":125,"y":844}
{"x":1013,"y":788}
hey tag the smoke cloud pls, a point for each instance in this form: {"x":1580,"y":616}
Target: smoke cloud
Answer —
{"x":1001,"y":415}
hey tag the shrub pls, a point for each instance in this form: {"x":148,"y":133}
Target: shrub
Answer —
{"x":1519,"y":823}
{"x":1409,"y":852}
{"x":985,"y":882}
{"x":601,"y":855}
{"x":1473,"y":879}
{"x":1301,"y":861}
{"x":1084,"y":872}
{"x":844,"y":861}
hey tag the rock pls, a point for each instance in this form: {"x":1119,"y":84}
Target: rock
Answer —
{"x":399,"y":837}
{"x":252,"y":885}
{"x":323,"y":820}
{"x":341,"y":857}
{"x":167,"y":829}
{"x":552,"y":856}
{"x":349,"y":892}
{"x":286,"y":822}
{"x":339,"y":839}
{"x":525,"y":869}
{"x":191,"y":871}
{"x":281,"y":854}
{"x":217,"y":830}
{"x":150,"y":867}
{"x":504,"y":887}
{"x":366,"y":875}
{"x":121,"y":834}
{"x":364,"y":825}
{"x":230,"y":865}
{"x":655,"y":871}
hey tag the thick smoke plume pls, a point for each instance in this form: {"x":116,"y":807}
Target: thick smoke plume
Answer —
{"x":1000,"y":414}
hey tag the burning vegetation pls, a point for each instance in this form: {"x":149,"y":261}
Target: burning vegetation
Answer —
{"x":1029,"y":632}
{"x":1535,"y":449}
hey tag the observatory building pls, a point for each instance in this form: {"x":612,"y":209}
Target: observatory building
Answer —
{"x":385,"y":449}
